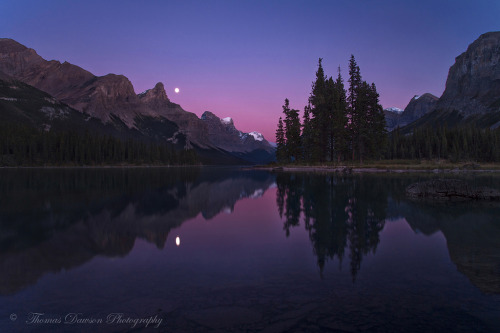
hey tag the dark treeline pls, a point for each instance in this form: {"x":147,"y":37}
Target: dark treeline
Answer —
{"x":339,"y":213}
{"x":454,"y":144}
{"x":342,"y":124}
{"x":24,"y":145}
{"x":337,"y":125}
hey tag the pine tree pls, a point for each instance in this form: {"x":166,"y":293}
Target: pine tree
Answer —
{"x":339,"y":119}
{"x":366,"y":117}
{"x":376,"y":124}
{"x":292,"y":132}
{"x":331,"y":97}
{"x":319,"y":115}
{"x":362,"y":120}
{"x":307,"y":135}
{"x":354,"y":109}
{"x":338,"y":123}
{"x":280,"y":143}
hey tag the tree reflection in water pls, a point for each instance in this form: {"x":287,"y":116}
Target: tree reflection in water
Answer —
{"x":338,"y":212}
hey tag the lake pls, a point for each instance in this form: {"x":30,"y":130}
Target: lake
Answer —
{"x":235,"y":250}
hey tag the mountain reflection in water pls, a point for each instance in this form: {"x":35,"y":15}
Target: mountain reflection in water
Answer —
{"x":345,"y":212}
{"x":472,"y":235}
{"x":59,"y":219}
{"x":246,"y":250}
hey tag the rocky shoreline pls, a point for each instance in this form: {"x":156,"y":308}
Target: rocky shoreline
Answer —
{"x":351,"y":170}
{"x":450,"y":189}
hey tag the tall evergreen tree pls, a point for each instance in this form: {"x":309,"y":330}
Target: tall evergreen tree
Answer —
{"x":355,"y":114}
{"x":319,"y":115}
{"x":377,"y":133}
{"x":280,"y":143}
{"x":307,"y":135}
{"x":366,"y":118}
{"x":339,"y":119}
{"x":331,"y":96}
{"x":338,"y":123}
{"x":292,"y":132}
{"x":363,"y":106}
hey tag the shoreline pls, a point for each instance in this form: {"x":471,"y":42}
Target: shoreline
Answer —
{"x":98,"y":166}
{"x":351,"y":170}
{"x":316,"y":169}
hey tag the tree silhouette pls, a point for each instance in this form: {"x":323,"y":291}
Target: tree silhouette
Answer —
{"x":339,"y":213}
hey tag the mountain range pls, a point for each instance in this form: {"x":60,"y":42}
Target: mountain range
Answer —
{"x":471,"y":95}
{"x":103,"y":220}
{"x":55,"y":96}
{"x":418,"y":106}
{"x":65,"y":95}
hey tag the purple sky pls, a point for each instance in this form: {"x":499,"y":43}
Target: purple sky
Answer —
{"x":243,"y":58}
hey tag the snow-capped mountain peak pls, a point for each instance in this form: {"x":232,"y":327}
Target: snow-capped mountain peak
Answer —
{"x":394,"y":109}
{"x":227,"y":120}
{"x":223,"y":134}
{"x":257,"y":136}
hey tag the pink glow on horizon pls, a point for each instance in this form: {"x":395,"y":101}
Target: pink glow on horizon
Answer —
{"x":242,"y":59}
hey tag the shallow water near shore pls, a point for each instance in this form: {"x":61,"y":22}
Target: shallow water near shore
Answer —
{"x":234,"y":250}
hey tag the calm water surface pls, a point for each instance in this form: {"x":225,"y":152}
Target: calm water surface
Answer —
{"x":233,"y":250}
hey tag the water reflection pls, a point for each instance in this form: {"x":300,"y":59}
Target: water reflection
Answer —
{"x":473,"y":238}
{"x":348,"y":213}
{"x":52,"y":220}
{"x":339,"y":213}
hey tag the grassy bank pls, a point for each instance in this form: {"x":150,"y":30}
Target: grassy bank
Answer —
{"x":391,"y":165}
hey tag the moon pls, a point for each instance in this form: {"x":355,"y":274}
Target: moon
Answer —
{"x":177,"y":241}
{"x":176,"y":90}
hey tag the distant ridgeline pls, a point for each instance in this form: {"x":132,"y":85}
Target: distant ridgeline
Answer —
{"x":68,"y":137}
{"x":350,"y":125}
{"x":54,"y":113}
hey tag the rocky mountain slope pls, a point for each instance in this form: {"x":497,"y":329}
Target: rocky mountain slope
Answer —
{"x":226,"y":136}
{"x":472,"y":93}
{"x":24,"y":104}
{"x":418,"y":106}
{"x":112,"y":100}
{"x":473,"y":83}
{"x":391,"y":118}
{"x":99,"y":96}
{"x":251,"y":146}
